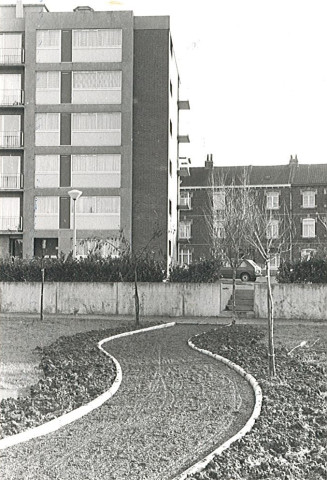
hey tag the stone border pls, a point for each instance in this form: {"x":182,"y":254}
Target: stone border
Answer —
{"x":199,"y":466}
{"x":79,"y":412}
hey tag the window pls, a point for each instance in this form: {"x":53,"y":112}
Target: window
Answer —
{"x":307,"y":253}
{"x":275,"y":261}
{"x":308,"y":228}
{"x":272,"y":200}
{"x":97,"y":87}
{"x":10,"y":132}
{"x":10,"y":89}
{"x":171,"y":127}
{"x":10,"y":213}
{"x":170,"y":168}
{"x":103,"y":45}
{"x":47,"y":87}
{"x":106,"y":247}
{"x":46,"y":213}
{"x":48,"y":46}
{"x":219,"y":228}
{"x":273,"y":229}
{"x":185,"y":200}
{"x":101,"y":128}
{"x":170,"y":207}
{"x":219,"y":201}
{"x":47,"y":129}
{"x":11,"y":51}
{"x":185,"y":230}
{"x":46,"y":171}
{"x":102,"y":170}
{"x":185,"y":256}
{"x":308,"y":199}
{"x":98,"y":213}
{"x":171,"y":88}
{"x":10,"y":172}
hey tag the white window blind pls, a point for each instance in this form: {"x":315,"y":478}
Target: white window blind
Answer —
{"x":272,"y":200}
{"x":185,"y":230}
{"x":96,"y":121}
{"x":96,"y":163}
{"x":219,"y":200}
{"x":273,"y":229}
{"x":98,"y":205}
{"x":47,"y":122}
{"x":46,"y":205}
{"x":97,"y":38}
{"x":309,"y":199}
{"x":48,"y":38}
{"x":308,"y":228}
{"x":46,"y":163}
{"x":47,"y":80}
{"x":97,"y":80}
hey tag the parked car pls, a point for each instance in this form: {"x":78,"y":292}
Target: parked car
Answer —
{"x":247,"y":271}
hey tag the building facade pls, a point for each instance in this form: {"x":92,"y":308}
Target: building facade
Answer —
{"x":89,"y":101}
{"x":299,"y":190}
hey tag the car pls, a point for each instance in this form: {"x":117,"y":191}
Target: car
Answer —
{"x":247,"y":271}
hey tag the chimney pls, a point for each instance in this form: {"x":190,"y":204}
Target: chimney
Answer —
{"x":19,"y":9}
{"x":209,"y":161}
{"x":294,"y":161}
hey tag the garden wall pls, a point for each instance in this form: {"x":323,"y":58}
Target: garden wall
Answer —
{"x":293,"y":300}
{"x":156,"y":299}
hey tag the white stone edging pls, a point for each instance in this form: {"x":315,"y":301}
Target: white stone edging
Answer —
{"x":199,"y":466}
{"x":79,"y":412}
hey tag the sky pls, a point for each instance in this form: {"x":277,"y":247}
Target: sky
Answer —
{"x":254,"y":72}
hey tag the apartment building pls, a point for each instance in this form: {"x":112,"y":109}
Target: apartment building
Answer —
{"x":89,"y":101}
{"x":298,"y":189}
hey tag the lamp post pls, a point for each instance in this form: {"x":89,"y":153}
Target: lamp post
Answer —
{"x":74,"y":195}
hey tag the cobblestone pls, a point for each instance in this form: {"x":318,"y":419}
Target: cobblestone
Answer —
{"x":173,"y":407}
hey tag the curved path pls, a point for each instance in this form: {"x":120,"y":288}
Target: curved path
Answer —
{"x":173,"y":407}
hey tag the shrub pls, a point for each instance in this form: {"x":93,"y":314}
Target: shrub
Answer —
{"x":313,"y":270}
{"x":204,"y":271}
{"x":89,"y":269}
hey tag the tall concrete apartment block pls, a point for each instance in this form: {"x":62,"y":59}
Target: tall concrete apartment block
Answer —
{"x":89,"y":101}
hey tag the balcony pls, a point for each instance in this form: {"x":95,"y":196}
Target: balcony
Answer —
{"x":12,"y":224}
{"x":11,"y":181}
{"x":184,"y":167}
{"x":184,"y":203}
{"x":11,"y":56}
{"x":11,"y":139}
{"x":12,"y":97}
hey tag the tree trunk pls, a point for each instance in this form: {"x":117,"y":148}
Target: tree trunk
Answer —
{"x":136,"y":299}
{"x":270,"y":309}
{"x":234,"y":297}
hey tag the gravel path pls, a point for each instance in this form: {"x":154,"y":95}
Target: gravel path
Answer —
{"x":174,"y":406}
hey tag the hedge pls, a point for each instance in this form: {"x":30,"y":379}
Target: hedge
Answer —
{"x":313,"y":270}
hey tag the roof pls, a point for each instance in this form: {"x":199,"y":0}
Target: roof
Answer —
{"x":294,"y":174}
{"x":315,"y":174}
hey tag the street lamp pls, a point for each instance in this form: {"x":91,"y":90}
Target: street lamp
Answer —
{"x":74,"y":195}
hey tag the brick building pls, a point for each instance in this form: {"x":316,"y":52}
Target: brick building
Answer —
{"x":301,"y":189}
{"x":89,"y":101}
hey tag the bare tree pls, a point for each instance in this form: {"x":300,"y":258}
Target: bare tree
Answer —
{"x":226,"y":220}
{"x":269,"y":232}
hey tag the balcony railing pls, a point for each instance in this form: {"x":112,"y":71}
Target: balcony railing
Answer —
{"x":11,"y":139}
{"x":11,"y":97}
{"x":11,"y":55}
{"x":11,"y":223}
{"x":10,"y":181}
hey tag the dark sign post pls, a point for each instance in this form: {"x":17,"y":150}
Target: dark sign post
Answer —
{"x":44,"y":244}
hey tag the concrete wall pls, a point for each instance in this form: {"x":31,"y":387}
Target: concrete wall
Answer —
{"x":156,"y":299}
{"x":305,"y":302}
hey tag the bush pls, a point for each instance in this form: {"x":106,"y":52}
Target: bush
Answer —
{"x":204,"y":271}
{"x":313,"y":270}
{"x":90,"y":269}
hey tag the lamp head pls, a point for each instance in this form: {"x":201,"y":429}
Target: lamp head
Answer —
{"x":75,"y":194}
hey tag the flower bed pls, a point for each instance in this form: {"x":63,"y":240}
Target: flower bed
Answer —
{"x":74,"y":371}
{"x":289,"y":440}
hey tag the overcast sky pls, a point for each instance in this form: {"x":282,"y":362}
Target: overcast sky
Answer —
{"x":254,"y":71}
